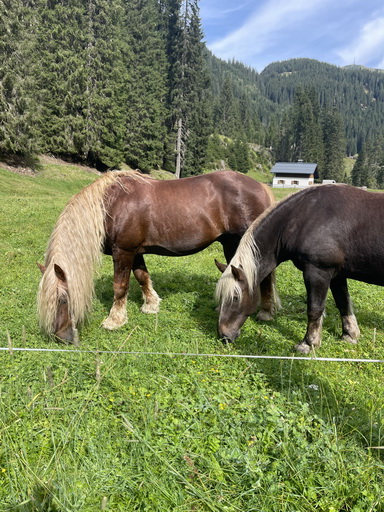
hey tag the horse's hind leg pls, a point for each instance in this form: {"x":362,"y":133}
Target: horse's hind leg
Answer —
{"x":150,"y":297}
{"x":339,"y":288}
{"x":122,"y":263}
{"x":270,"y":301}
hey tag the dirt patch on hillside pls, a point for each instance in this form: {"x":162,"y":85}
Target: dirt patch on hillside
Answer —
{"x":26,"y":171}
{"x":31,"y":167}
{"x":46,"y":159}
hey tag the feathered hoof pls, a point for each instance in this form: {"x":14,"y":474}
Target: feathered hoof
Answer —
{"x":151,"y":305}
{"x":150,"y":309}
{"x":264,"y":316}
{"x":303,"y":348}
{"x":111,"y":324}
{"x":349,"y":339}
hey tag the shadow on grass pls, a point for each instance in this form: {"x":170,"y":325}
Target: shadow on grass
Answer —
{"x":168,"y":285}
{"x":21,"y":161}
{"x":41,"y":500}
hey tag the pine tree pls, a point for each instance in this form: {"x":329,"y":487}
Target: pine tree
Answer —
{"x":107,"y":75}
{"x":226,"y":112}
{"x":334,"y":145}
{"x":61,"y":75}
{"x":187,"y":86}
{"x":19,"y":112}
{"x":242,"y":156}
{"x":360,"y":173}
{"x":146,"y":105}
{"x":306,"y":129}
{"x":199,"y":116}
{"x":380,"y":166}
{"x":82,"y":78}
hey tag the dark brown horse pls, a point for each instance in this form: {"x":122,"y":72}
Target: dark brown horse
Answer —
{"x":127,"y":215}
{"x":330,"y":233}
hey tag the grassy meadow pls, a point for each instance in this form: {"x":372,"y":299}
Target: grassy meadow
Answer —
{"x":100,"y":429}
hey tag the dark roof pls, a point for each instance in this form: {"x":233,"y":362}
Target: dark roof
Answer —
{"x":294,"y":168}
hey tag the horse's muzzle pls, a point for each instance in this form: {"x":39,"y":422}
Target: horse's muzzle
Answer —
{"x":226,"y":337}
{"x":68,"y":335}
{"x":226,"y":340}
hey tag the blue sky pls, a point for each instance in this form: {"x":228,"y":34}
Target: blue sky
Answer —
{"x":258,"y":32}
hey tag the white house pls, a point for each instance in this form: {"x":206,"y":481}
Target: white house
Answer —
{"x":294,"y":174}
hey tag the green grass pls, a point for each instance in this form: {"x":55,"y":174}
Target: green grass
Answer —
{"x":131,"y":432}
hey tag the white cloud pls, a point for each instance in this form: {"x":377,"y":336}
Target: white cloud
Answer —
{"x":210,"y":12}
{"x":368,"y":48}
{"x":261,"y":29}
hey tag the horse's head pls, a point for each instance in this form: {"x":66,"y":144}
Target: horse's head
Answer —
{"x":236,"y":301}
{"x":63,"y":326}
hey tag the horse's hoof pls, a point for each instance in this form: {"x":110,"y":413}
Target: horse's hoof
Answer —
{"x":149,"y":310}
{"x":264,"y":316}
{"x":349,"y":339}
{"x":303,"y":348}
{"x":110,"y":325}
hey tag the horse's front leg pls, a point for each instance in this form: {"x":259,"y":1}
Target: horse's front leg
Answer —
{"x":339,"y":288}
{"x":270,"y":301}
{"x":317,"y":285}
{"x":122,"y":263}
{"x":150,"y":297}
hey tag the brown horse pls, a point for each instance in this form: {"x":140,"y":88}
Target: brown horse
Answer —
{"x":126,"y":215}
{"x":330,"y":233}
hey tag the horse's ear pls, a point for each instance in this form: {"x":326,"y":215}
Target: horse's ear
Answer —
{"x":220,"y":266}
{"x":41,"y":267}
{"x":238,"y":274}
{"x":60,"y":274}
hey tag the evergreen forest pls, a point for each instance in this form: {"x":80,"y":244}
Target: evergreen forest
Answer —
{"x":107,"y":82}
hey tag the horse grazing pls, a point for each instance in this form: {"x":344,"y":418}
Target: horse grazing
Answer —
{"x":126,"y":215}
{"x":330,"y":233}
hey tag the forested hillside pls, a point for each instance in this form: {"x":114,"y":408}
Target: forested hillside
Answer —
{"x":132,"y":82}
{"x":105,"y":81}
{"x":356,"y":92}
{"x":317,"y":112}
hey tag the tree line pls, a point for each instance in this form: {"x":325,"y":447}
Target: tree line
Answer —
{"x":105,"y":81}
{"x":112,"y":81}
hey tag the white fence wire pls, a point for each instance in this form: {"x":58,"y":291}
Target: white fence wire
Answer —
{"x":312,"y":358}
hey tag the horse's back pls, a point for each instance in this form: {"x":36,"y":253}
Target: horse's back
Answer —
{"x":185,"y":215}
{"x":338,"y":226}
{"x":343,"y":207}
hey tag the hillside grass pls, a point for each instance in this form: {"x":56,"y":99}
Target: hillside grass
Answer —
{"x":88,"y":431}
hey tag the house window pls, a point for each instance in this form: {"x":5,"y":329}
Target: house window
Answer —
{"x":294,"y":182}
{"x":281,"y":182}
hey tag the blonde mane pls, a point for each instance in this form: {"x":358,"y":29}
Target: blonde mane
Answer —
{"x":75,"y":245}
{"x":247,"y":257}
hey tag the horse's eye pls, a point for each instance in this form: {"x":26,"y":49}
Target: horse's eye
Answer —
{"x":236,"y":299}
{"x":62,"y":301}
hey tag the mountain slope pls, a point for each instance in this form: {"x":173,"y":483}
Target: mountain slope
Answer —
{"x":356,"y":92}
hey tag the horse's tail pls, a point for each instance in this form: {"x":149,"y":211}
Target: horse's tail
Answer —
{"x":76,"y":246}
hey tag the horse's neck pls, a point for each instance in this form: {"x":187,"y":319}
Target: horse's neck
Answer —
{"x":267,"y":240}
